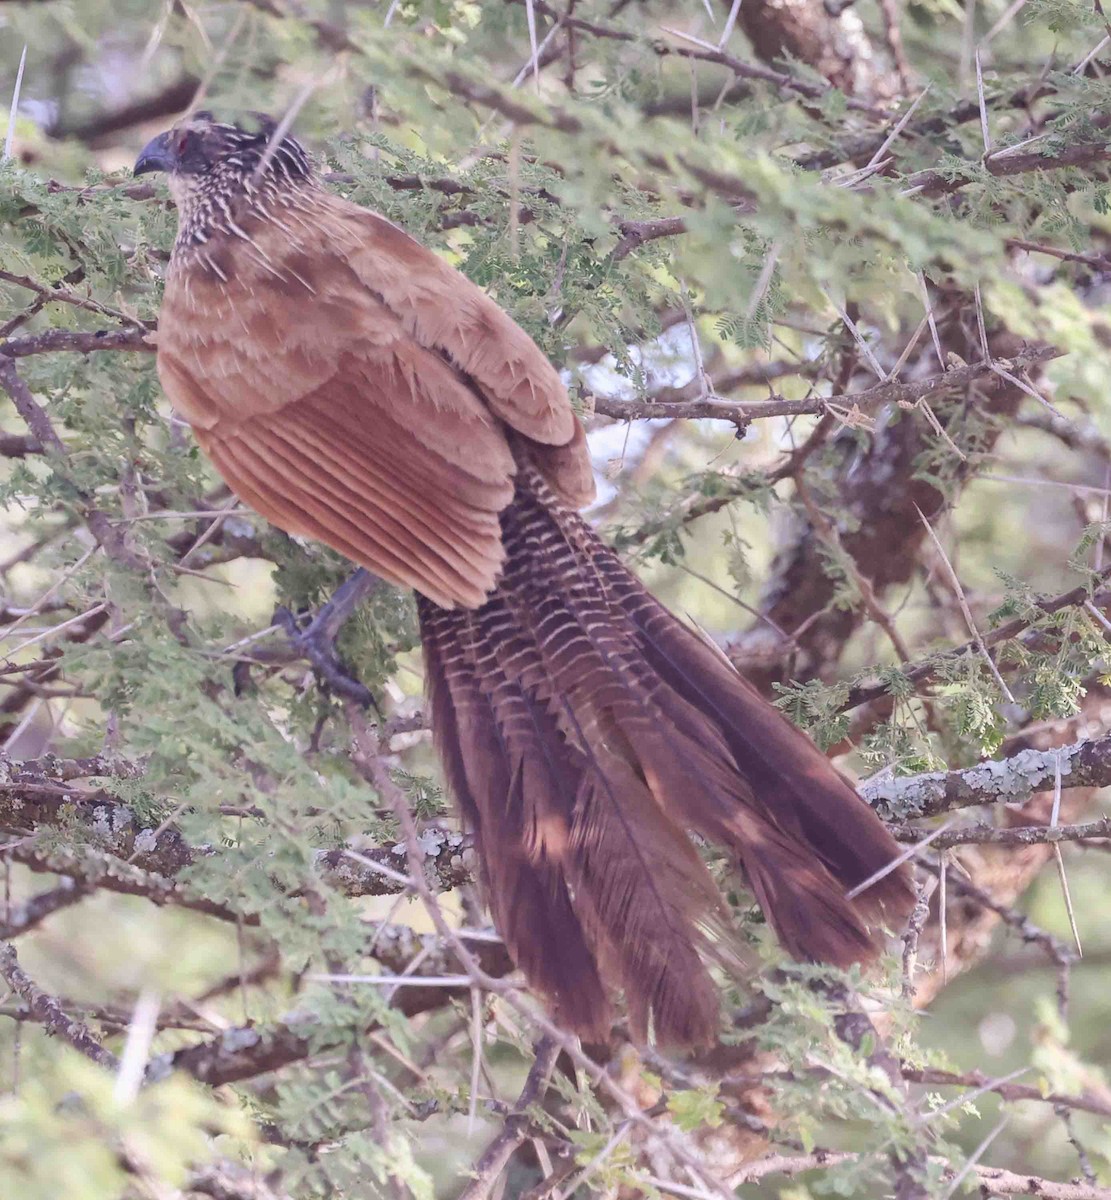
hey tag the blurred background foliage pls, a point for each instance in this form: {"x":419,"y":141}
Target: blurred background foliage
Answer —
{"x":819,"y":276}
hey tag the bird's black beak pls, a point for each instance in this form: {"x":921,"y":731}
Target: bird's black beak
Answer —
{"x":156,"y":156}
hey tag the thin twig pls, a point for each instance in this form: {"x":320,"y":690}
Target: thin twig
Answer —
{"x":985,"y":131}
{"x":965,"y":610}
{"x":13,"y":111}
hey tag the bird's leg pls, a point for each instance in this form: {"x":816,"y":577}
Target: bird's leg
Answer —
{"x":317,"y":641}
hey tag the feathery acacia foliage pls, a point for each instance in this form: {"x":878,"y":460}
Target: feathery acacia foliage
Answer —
{"x":829,"y":291}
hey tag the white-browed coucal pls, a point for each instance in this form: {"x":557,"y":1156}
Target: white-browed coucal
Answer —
{"x":352,"y":386}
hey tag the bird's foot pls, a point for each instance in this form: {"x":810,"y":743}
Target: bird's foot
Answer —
{"x":316,"y":641}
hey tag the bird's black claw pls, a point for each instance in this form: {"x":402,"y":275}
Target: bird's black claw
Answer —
{"x":316,"y":644}
{"x":317,"y":641}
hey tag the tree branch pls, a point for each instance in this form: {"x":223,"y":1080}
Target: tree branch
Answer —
{"x":49,"y":1013}
{"x":993,"y":1181}
{"x":20,"y":918}
{"x":1013,"y":835}
{"x":78,"y":341}
{"x":754,"y":72}
{"x":1014,"y":160}
{"x":245,"y":1052}
{"x":1083,"y":764}
{"x":63,"y":295}
{"x":172,"y":99}
{"x":895,"y":391}
{"x":122,"y":854}
{"x":110,"y":536}
{"x":1074,"y":597}
{"x":497,"y":1154}
{"x":231,"y":1181}
{"x":1008,"y":1091}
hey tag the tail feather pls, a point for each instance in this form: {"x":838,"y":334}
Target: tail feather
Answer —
{"x":790,"y":780}
{"x":503,"y":803}
{"x":640,"y":888}
{"x":584,"y":730}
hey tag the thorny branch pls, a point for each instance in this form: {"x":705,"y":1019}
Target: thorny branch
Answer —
{"x":42,"y":429}
{"x":977,"y":1080}
{"x":866,"y":400}
{"x":1082,"y":594}
{"x":992,"y":1181}
{"x":1014,"y":835}
{"x":497,"y":1154}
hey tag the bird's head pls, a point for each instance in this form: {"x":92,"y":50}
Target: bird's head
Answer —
{"x":211,"y":165}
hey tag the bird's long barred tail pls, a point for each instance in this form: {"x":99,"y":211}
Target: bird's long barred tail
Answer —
{"x":584,"y":730}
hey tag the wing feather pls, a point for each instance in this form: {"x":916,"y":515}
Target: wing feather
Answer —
{"x":441,"y":308}
{"x":446,"y":488}
{"x":304,"y":497}
{"x":370,"y":483}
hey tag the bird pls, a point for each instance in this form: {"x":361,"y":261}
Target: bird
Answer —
{"x":351,"y":386}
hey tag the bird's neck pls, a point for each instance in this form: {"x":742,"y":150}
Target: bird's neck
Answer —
{"x":212,"y":208}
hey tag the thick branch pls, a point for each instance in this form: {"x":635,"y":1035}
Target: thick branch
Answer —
{"x":1083,"y":764}
{"x":26,"y":916}
{"x":121,"y":854}
{"x":16,"y":445}
{"x":248,"y":1051}
{"x":34,"y":793}
{"x":174,"y":98}
{"x":93,"y":869}
{"x":79,"y":341}
{"x":230,"y":1181}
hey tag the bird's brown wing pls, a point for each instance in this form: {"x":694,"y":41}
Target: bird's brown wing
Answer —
{"x":352,"y":386}
{"x":441,"y":309}
{"x":346,"y":429}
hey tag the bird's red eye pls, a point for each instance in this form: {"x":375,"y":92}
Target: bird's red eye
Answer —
{"x":181,"y":141}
